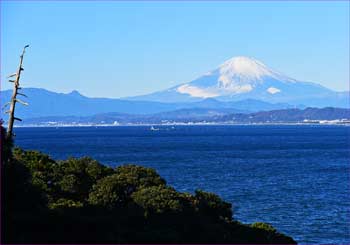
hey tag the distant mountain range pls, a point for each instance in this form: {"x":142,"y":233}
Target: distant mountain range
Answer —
{"x":46,"y":103}
{"x":242,"y":78}
{"x":200,"y":115}
{"x":240,"y":85}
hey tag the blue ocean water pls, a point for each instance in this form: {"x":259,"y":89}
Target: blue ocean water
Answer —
{"x":296,"y":178}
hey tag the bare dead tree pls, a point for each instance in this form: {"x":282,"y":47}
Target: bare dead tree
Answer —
{"x":14,"y":98}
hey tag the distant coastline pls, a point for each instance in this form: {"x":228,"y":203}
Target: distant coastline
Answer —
{"x":329,"y":123}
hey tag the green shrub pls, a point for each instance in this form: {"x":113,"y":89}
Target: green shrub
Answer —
{"x":109,"y":192}
{"x":114,"y":190}
{"x":140,"y":176}
{"x":85,"y":166}
{"x":6,"y":145}
{"x":76,"y":176}
{"x":34,"y":160}
{"x":70,"y":179}
{"x":65,"y":203}
{"x":212,"y":205}
{"x":263,"y":226}
{"x":158,"y":200}
{"x":40,"y":165}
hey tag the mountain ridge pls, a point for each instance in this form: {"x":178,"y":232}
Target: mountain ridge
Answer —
{"x":247,"y":78}
{"x":43,"y":102}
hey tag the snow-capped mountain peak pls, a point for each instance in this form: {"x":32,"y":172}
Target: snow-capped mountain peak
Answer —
{"x":237,"y":75}
{"x":245,"y":66}
{"x":246,"y":72}
{"x":241,"y":78}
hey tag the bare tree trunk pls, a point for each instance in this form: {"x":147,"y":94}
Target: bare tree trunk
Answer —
{"x":14,"y":99}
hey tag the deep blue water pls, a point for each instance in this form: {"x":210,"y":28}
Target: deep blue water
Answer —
{"x":295,"y":177}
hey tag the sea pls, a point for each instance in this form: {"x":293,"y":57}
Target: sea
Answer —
{"x":295,"y":177}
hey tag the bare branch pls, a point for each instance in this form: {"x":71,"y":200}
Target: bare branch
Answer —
{"x":22,"y":95}
{"x":6,"y":104}
{"x":12,"y":75}
{"x":22,"y":102}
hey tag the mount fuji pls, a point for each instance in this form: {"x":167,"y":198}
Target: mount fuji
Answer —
{"x":242,"y":78}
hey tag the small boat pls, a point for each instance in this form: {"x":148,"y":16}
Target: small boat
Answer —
{"x":154,"y":129}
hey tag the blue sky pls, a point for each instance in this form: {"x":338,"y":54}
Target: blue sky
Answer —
{"x":116,"y":49}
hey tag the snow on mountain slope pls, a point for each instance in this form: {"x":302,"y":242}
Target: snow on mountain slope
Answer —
{"x":247,"y":78}
{"x":236,"y":76}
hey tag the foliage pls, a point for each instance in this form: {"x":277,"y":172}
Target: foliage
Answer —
{"x":158,"y":199}
{"x":18,"y":191}
{"x":40,"y":166}
{"x":129,"y":204}
{"x":6,"y":145}
{"x":70,"y":179}
{"x":75,"y":177}
{"x":140,"y":176}
{"x":65,"y":203}
{"x":115,"y":190}
{"x":110,"y":192}
{"x":263,"y":226}
{"x":212,"y":205}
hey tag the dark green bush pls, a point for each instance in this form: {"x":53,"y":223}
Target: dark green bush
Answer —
{"x":70,"y":179}
{"x":6,"y":145}
{"x":110,"y":192}
{"x":140,"y":176}
{"x":41,"y":168}
{"x":263,"y":226}
{"x":115,"y":190}
{"x":65,"y":203}
{"x":158,"y":200}
{"x":212,"y":205}
{"x":75,"y":177}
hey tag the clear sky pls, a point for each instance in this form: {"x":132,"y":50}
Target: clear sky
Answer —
{"x":116,"y":49}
